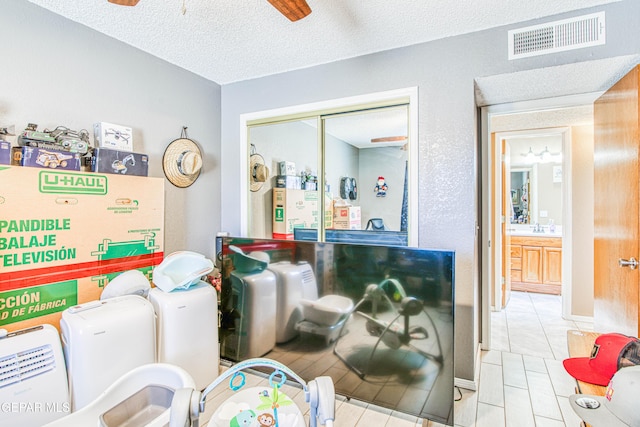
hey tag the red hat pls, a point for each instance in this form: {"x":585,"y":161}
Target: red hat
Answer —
{"x":610,"y":352}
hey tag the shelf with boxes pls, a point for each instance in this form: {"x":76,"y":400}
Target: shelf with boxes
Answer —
{"x":296,"y":205}
{"x":66,"y":149}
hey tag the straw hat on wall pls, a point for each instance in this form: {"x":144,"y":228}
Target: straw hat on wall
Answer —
{"x":182,"y":162}
{"x":258,"y":172}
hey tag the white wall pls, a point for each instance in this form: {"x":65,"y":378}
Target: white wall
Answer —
{"x":582,"y":220}
{"x":56,"y":72}
{"x":444,"y":72}
{"x":549,"y":195}
{"x":388,"y":162}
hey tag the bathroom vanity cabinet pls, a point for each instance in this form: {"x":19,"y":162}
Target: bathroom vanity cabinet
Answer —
{"x":536,"y":264}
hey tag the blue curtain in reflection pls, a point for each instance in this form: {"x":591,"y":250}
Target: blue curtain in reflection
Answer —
{"x":404,"y":220}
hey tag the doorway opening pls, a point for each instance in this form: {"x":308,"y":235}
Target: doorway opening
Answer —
{"x":561,"y":128}
{"x":529,"y":187}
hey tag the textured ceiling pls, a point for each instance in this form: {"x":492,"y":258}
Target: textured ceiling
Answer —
{"x":232,"y":40}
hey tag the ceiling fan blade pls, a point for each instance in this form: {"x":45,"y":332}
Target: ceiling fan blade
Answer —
{"x":292,"y":9}
{"x":389,"y":139}
{"x":124,"y":2}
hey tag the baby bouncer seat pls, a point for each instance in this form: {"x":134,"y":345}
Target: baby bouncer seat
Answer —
{"x":394,"y":333}
{"x":265,"y":405}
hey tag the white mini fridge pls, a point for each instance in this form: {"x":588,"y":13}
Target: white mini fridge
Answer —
{"x":103,"y":340}
{"x":187,"y":328}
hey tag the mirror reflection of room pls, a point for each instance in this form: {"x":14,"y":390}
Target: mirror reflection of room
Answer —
{"x":520,"y":196}
{"x":536,"y":183}
{"x":364,"y":168}
{"x":377,"y":319}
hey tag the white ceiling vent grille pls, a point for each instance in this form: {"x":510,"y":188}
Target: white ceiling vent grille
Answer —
{"x":558,"y":36}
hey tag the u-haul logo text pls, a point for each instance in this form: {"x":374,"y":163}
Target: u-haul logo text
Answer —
{"x":72,"y":183}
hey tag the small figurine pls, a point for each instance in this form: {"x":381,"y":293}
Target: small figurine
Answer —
{"x":381,"y":188}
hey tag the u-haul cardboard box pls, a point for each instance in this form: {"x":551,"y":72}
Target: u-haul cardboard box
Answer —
{"x":64,"y":235}
{"x":297,"y":209}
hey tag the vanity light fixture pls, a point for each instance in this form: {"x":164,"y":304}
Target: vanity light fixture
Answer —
{"x":530,"y":157}
{"x":545,"y":155}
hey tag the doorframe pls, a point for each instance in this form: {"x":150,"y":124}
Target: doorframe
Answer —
{"x":333,"y":106}
{"x":565,"y":133}
{"x":488,"y":221}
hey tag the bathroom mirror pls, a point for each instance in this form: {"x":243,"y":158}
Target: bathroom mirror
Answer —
{"x":521,"y":203}
{"x":378,"y":320}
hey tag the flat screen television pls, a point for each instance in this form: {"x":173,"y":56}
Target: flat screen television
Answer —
{"x":378,"y":319}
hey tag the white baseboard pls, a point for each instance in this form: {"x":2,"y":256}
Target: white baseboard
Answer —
{"x":576,"y":318}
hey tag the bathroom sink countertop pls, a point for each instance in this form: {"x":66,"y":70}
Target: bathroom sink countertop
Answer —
{"x":527,"y":230}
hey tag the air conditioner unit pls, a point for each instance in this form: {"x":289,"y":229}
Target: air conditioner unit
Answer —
{"x":103,"y":340}
{"x":33,"y":378}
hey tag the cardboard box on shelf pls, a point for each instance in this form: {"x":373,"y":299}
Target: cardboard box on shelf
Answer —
{"x":5,"y":153}
{"x":297,"y":209}
{"x":41,"y":158}
{"x":64,"y":235}
{"x":287,"y":168}
{"x":106,"y":160}
{"x":347,"y":218}
{"x":289,"y":181}
{"x":116,"y":137}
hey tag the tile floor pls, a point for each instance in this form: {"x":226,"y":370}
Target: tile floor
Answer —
{"x":522,"y":380}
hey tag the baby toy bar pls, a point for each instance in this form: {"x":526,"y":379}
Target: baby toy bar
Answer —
{"x":268,"y":405}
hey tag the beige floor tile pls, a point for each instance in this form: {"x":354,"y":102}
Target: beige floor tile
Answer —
{"x":490,"y":416}
{"x":543,"y":398}
{"x":563,"y":383}
{"x":374,"y":416}
{"x":517,"y":407}
{"x":571,"y":419}
{"x":513,"y":370}
{"x":348,"y":414}
{"x":534,"y":363}
{"x":465,"y":409}
{"x":491,"y":356}
{"x":548,"y":422}
{"x":491,"y":389}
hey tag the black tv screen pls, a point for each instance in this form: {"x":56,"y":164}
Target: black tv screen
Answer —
{"x":377,"y":319}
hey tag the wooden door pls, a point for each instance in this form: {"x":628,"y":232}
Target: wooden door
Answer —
{"x":616,"y":216}
{"x":507,"y":211}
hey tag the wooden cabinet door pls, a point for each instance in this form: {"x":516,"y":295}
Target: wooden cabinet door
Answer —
{"x":552,"y":266}
{"x":532,"y":264}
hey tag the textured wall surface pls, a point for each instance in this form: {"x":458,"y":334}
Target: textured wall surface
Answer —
{"x":444,"y":72}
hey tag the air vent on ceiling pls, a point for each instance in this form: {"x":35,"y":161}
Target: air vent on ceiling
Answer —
{"x":558,"y":36}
